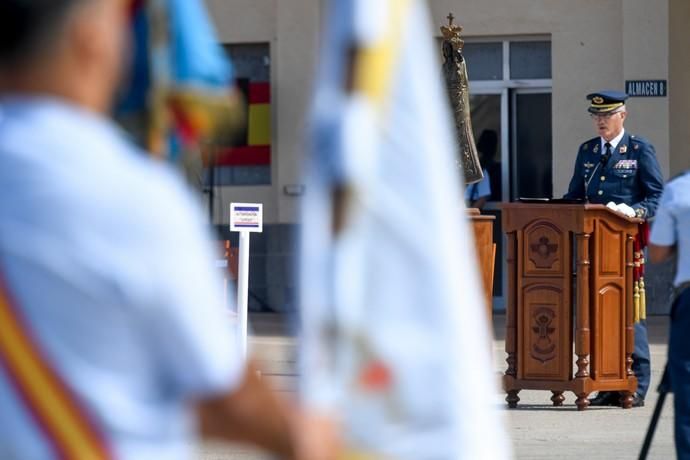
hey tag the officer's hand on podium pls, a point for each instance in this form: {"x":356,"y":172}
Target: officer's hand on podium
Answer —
{"x":621,"y":208}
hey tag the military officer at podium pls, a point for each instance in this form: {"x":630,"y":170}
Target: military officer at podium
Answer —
{"x":620,"y":167}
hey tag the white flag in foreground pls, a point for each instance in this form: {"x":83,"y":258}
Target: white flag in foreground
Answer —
{"x":395,"y":339}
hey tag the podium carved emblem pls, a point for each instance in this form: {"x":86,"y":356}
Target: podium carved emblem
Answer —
{"x":543,"y":252}
{"x":543,"y":346}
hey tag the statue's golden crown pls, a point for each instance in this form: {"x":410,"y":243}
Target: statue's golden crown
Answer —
{"x":451,"y":33}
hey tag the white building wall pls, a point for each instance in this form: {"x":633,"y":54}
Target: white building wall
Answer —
{"x":645,"y":57}
{"x":679,"y":85}
{"x":596,"y":44}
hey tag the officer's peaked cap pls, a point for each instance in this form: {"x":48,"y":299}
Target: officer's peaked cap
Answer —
{"x":606,"y":101}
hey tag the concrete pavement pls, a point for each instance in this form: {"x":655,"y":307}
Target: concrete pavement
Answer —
{"x":538,"y":430}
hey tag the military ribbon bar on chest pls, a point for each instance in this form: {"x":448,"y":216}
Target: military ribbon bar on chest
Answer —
{"x":625,"y":164}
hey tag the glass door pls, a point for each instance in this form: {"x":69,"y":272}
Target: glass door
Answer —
{"x":510,"y":102}
{"x":531,"y":150}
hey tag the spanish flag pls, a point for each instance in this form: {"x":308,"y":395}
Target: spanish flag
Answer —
{"x":253,"y":142}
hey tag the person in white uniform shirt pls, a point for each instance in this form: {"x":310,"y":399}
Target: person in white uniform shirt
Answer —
{"x":114,"y":339}
{"x":670,"y":237}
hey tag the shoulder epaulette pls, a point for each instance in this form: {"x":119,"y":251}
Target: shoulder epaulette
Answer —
{"x":638,"y":139}
{"x":587,"y":145}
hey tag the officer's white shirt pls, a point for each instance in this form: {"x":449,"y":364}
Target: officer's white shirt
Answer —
{"x":614,"y":142}
{"x":109,"y":261}
{"x":672,"y":222}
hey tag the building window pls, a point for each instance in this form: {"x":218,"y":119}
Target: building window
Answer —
{"x":485,"y":60}
{"x":508,"y":60}
{"x":530,"y":60}
{"x":247,"y":161}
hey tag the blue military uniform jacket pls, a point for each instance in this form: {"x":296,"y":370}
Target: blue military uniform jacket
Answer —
{"x":631,"y":175}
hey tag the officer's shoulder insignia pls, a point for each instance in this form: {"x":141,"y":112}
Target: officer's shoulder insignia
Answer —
{"x":638,"y":141}
{"x":585,"y":146}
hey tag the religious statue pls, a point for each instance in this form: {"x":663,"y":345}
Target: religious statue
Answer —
{"x":455,"y":74}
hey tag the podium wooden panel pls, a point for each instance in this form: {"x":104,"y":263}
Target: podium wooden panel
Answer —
{"x":569,"y":289}
{"x":483,"y":228}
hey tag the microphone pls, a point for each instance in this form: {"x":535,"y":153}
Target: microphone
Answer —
{"x":602,"y":163}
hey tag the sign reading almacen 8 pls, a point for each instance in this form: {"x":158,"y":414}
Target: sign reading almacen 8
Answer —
{"x":646,"y":88}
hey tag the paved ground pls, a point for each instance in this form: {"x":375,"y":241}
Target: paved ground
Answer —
{"x":538,"y":430}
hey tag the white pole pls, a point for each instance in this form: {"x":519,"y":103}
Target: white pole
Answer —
{"x":243,"y":290}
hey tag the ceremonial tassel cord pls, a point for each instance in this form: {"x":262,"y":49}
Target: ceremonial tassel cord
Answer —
{"x":643,"y":300}
{"x":643,"y":294}
{"x":641,"y":244}
{"x":636,"y":285}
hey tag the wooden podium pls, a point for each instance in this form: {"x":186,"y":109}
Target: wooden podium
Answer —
{"x":483,"y":229}
{"x":570,"y":281}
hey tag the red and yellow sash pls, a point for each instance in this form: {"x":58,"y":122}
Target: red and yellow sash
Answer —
{"x":55,"y":410}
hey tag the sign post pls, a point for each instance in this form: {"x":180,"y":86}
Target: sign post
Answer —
{"x":245,"y":218}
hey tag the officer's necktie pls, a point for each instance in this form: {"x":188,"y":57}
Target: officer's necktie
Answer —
{"x":607,"y":155}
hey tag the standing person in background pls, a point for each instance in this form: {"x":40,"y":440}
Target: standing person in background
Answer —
{"x":487,"y":146}
{"x":477,"y":194}
{"x":622,"y":168}
{"x":114,"y":338}
{"x":669,"y":237}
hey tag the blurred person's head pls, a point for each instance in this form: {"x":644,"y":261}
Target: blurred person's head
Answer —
{"x":487,"y":146}
{"x":69,"y":49}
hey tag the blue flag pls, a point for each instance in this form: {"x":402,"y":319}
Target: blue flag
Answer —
{"x":180,"y":82}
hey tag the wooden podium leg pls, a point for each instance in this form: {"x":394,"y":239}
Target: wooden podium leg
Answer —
{"x":582,"y":401}
{"x":511,"y":321}
{"x":511,"y":307}
{"x":582,"y":330}
{"x":513,"y":399}
{"x":557,"y":398}
{"x":626,"y":399}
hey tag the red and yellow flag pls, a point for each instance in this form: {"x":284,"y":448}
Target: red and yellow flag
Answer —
{"x":55,"y":410}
